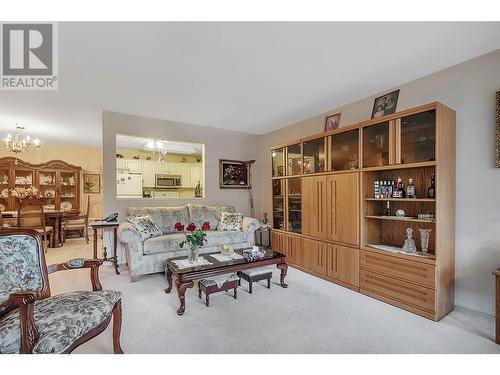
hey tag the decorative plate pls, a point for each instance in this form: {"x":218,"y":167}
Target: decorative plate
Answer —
{"x":66,"y":206}
{"x":49,"y":193}
{"x":2,"y":208}
{"x":5,"y":193}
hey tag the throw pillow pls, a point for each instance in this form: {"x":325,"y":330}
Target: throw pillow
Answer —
{"x":145,"y":225}
{"x":230,"y":221}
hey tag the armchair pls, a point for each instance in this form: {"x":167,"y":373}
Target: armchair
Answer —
{"x":33,"y":321}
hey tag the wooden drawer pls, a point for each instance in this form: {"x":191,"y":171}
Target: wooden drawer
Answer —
{"x":408,"y":270}
{"x":398,"y":292}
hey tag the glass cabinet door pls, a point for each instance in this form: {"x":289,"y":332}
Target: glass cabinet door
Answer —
{"x":278,"y":161}
{"x":418,"y":137}
{"x":294,"y":162}
{"x":279,"y":204}
{"x":47,"y":183}
{"x":68,"y":191}
{"x":345,"y":150}
{"x":376,"y":145}
{"x":4,"y":189}
{"x":294,"y":205}
{"x":314,"y":156}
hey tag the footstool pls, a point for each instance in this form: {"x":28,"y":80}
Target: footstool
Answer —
{"x":218,"y":284}
{"x":256,"y":274}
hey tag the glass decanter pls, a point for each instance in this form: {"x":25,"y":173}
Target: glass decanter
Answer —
{"x":409,"y":245}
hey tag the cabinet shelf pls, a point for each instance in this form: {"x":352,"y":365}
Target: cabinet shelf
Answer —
{"x":401,"y":199}
{"x":397,"y":218}
{"x":400,"y":166}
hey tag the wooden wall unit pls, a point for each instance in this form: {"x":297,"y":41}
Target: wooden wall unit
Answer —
{"x":342,"y":219}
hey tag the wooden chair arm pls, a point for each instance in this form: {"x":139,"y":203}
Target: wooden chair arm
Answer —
{"x":80,"y":263}
{"x":25,"y":301}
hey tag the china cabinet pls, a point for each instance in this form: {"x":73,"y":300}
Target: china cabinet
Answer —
{"x":340,"y":210}
{"x":58,"y":183}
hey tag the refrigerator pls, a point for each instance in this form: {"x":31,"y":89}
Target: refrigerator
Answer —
{"x":129,"y":185}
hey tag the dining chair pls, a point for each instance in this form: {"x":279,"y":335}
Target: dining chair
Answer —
{"x":78,"y":223}
{"x":30,"y":215}
{"x":33,"y":321}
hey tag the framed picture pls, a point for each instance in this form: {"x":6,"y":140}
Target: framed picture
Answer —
{"x":91,"y":183}
{"x":385,"y":104}
{"x":332,"y":122}
{"x":497,"y":135}
{"x":233,"y":174}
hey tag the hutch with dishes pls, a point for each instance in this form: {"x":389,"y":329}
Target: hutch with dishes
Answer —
{"x":372,"y":207}
{"x":57,"y":182}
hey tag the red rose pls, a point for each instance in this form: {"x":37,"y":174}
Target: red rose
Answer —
{"x":191,"y":227}
{"x":205,"y":226}
{"x":179,"y":227}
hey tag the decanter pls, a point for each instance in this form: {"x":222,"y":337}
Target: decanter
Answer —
{"x":409,"y":245}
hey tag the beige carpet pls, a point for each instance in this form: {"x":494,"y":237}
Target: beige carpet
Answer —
{"x":311,"y":316}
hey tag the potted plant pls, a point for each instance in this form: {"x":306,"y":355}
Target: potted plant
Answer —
{"x":195,"y":238}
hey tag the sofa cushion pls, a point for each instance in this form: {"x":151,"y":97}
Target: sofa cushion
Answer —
{"x":199,"y":213}
{"x":60,"y":320}
{"x":220,"y":209}
{"x":170,"y":242}
{"x":145,"y":226}
{"x":230,"y":221}
{"x":164,"y":217}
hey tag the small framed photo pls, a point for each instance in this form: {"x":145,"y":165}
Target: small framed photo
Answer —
{"x":332,"y":122}
{"x":385,"y":104}
{"x":91,"y":183}
{"x":233,"y":174}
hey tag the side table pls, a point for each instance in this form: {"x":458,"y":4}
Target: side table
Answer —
{"x":95,"y":225}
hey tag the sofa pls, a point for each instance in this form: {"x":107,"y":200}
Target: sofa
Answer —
{"x":149,"y":256}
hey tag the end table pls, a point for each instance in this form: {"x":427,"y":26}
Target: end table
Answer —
{"x":95,"y":225}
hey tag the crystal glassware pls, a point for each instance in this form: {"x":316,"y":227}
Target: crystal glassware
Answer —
{"x":424,"y":239}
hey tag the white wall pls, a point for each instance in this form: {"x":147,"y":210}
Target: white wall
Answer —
{"x":219,"y":144}
{"x":468,"y":88}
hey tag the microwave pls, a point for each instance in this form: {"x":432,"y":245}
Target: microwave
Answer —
{"x":168,"y":181}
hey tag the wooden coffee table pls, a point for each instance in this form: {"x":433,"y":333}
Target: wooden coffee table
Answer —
{"x":185,"y":277}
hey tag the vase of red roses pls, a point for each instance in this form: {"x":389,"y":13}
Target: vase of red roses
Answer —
{"x":195,"y":238}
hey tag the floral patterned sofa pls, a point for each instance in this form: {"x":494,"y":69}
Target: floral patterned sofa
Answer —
{"x":150,"y":255}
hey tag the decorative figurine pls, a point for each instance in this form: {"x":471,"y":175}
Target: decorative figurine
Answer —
{"x":409,"y":245}
{"x":265,"y":220}
{"x":400,"y":213}
{"x":198,"y":192}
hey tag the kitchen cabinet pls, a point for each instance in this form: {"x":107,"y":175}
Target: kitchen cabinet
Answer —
{"x":148,"y":173}
{"x":173,"y":168}
{"x":120,"y":163}
{"x":196,"y":174}
{"x":186,"y":175}
{"x":133,"y":165}
{"x":166,"y":194}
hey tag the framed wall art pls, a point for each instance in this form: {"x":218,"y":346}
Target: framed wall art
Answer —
{"x":233,"y":174}
{"x":91,"y":183}
{"x":385,"y":104}
{"x":332,"y":122}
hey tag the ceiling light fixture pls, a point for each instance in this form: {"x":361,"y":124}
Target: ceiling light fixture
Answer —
{"x":19,"y":143}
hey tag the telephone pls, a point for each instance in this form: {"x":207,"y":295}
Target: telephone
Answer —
{"x":111,"y":217}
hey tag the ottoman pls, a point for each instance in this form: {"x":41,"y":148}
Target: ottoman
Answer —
{"x":256,"y":274}
{"x":218,"y":284}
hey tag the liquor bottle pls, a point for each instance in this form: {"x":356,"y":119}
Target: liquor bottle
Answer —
{"x":388,"y":211}
{"x":410,"y":189}
{"x":431,"y":191}
{"x":399,"y":192}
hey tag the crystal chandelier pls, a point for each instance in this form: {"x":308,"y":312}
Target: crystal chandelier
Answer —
{"x":19,"y":143}
{"x":158,"y":146}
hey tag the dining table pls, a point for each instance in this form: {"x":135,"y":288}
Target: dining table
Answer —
{"x":55,"y":217}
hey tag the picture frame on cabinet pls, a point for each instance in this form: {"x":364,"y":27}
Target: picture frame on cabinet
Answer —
{"x":385,"y":104}
{"x":332,"y":122}
{"x":233,"y":174}
{"x":497,"y":131}
{"x":91,"y":183}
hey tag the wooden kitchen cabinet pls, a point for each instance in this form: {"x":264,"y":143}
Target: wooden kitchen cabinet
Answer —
{"x":314,"y":206}
{"x":343,"y":264}
{"x":342,"y":208}
{"x":148,"y":173}
{"x":133,"y":165}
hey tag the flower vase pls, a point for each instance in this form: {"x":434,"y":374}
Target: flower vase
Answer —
{"x":193,"y":253}
{"x":424,"y":239}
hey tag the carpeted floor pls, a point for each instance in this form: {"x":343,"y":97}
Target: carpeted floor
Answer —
{"x":311,"y":316}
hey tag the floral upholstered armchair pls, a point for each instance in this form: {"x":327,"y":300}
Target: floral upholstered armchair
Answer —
{"x":32,"y":321}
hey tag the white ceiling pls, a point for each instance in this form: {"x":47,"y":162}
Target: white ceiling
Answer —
{"x":141,"y":144}
{"x":250,"y":77}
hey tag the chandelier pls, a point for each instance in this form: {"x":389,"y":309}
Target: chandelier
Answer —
{"x":19,"y":143}
{"x":158,"y":146}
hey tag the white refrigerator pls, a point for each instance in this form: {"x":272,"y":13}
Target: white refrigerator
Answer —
{"x":128,"y":185}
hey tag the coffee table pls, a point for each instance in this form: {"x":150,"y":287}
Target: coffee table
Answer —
{"x":185,"y":277}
